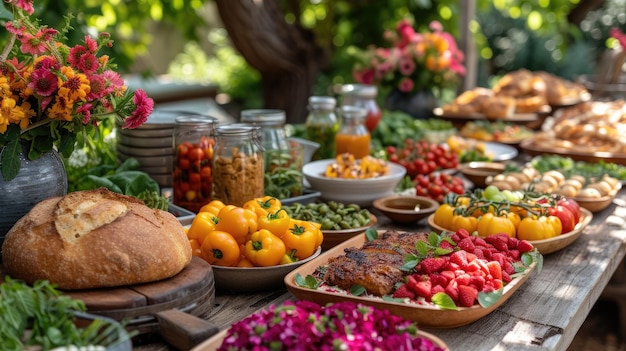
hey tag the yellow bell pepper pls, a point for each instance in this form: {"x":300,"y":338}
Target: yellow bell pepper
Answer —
{"x":490,"y":224}
{"x":468,"y":223}
{"x":265,"y":249}
{"x":262,"y":205}
{"x":237,"y":221}
{"x":289,"y":257}
{"x":300,"y":238}
{"x":221,"y":249}
{"x":276,"y":222}
{"x":443,"y":216}
{"x":201,"y":226}
{"x":212,"y":207}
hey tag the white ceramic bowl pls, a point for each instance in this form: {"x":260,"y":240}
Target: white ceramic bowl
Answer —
{"x":362,"y":192}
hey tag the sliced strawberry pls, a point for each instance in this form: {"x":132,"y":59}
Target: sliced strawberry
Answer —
{"x":478,"y":281}
{"x":448,"y":275}
{"x":437,"y":289}
{"x":453,"y":291}
{"x":495,"y":270}
{"x":467,"y":296}
{"x":403,"y":291}
{"x":462,"y":278}
{"x":423,"y":289}
{"x":460,"y":258}
{"x":438,"y":279}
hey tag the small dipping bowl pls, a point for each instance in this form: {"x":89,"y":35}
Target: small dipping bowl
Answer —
{"x":406,"y":208}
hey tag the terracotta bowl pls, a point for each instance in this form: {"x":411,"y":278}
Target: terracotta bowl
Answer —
{"x":477,"y":172}
{"x":406,"y":208}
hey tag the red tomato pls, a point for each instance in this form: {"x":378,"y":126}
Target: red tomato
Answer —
{"x":568,"y":221}
{"x":572,"y":205}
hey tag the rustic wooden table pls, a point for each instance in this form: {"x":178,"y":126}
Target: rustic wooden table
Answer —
{"x":543,"y":314}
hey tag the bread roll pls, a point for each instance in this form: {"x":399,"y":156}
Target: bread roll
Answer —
{"x":95,"y":239}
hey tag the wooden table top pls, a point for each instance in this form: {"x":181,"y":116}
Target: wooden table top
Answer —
{"x":543,"y":314}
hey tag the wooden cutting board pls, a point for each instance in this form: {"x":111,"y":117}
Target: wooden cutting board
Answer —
{"x":172,"y":307}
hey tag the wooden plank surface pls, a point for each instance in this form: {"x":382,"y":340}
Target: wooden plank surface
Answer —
{"x":544,"y":314}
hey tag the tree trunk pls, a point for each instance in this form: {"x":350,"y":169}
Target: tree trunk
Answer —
{"x":286,"y":55}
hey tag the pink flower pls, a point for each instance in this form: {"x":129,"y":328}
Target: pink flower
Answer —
{"x":36,"y":44}
{"x":85,"y":110}
{"x":43,"y":82}
{"x":26,"y":5}
{"x":88,"y":63}
{"x":144,"y":106}
{"x":406,"y":32}
{"x":406,"y":85}
{"x":91,"y":44}
{"x":406,"y":66}
{"x":621,"y":37}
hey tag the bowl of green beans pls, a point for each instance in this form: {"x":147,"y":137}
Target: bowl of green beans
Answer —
{"x":339,"y":222}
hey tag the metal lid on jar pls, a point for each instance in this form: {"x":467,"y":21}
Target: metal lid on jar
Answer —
{"x":363,"y":90}
{"x":237,"y":129}
{"x":195,"y":119}
{"x":263,"y":117}
{"x":322,"y":102}
{"x":352,"y":112}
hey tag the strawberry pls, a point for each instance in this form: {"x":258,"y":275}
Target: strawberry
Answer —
{"x":437,"y":289}
{"x":495,"y":270}
{"x":462,"y":233}
{"x":499,"y":241}
{"x":466,"y":244}
{"x":455,"y":237}
{"x":524,"y":246}
{"x":462,"y":278}
{"x":448,"y":275}
{"x":446,"y":245}
{"x":478,"y":281}
{"x":403,"y":291}
{"x":467,"y":295}
{"x":500,"y":258}
{"x":432,"y":264}
{"x":479,"y":253}
{"x":479,"y":242}
{"x":506,"y":277}
{"x":508,"y":267}
{"x":512,"y":243}
{"x":438,"y":279}
{"x":514,"y":254}
{"x":459,"y":258}
{"x":423,"y":289}
{"x":453,"y":290}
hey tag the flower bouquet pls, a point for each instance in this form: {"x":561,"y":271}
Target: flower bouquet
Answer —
{"x":415,"y":61}
{"x":53,"y":95}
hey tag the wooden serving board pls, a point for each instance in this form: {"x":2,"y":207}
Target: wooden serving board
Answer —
{"x":172,"y":307}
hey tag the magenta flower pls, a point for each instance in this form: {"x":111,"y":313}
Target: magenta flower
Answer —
{"x":406,"y":85}
{"x":36,"y":44}
{"x":144,"y":106}
{"x":43,"y":82}
{"x":406,"y":66}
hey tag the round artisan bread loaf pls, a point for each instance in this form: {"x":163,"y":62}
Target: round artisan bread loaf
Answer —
{"x":95,"y":239}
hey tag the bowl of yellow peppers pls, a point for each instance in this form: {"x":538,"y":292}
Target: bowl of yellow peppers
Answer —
{"x":252,"y":247}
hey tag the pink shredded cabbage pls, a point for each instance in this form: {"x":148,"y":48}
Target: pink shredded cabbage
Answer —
{"x":304,"y":325}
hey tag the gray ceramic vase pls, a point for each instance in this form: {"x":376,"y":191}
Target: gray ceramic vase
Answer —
{"x":37,"y":180}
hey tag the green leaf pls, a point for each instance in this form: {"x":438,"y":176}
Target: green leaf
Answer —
{"x":410,"y":261}
{"x":10,"y":160}
{"x":371,"y":234}
{"x":357,"y":290}
{"x":104,"y":182}
{"x":130,"y":164}
{"x":389,"y":298}
{"x":139,"y":184}
{"x":443,"y":301}
{"x":422,"y":248}
{"x":308,"y":282}
{"x":488,"y":299}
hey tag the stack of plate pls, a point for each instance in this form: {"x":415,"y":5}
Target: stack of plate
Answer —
{"x":151,"y":145}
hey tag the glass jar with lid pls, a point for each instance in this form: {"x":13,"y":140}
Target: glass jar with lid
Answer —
{"x":365,"y":96}
{"x":237,"y":165}
{"x":192,"y":177}
{"x":322,"y":125}
{"x":284,"y":158}
{"x":353,"y":137}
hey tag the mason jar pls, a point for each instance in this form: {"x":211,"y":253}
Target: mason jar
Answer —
{"x":322,"y":125}
{"x":353,"y":137}
{"x":237,"y":165}
{"x":365,"y":96}
{"x":192,"y":177}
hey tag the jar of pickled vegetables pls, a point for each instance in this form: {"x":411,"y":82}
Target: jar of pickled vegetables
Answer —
{"x":283,"y":158}
{"x":322,"y":125}
{"x":192,"y":177}
{"x":237,"y":165}
{"x":353,"y":137}
{"x":365,"y":96}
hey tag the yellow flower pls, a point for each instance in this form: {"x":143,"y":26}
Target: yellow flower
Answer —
{"x":74,"y":86}
{"x":62,"y":109}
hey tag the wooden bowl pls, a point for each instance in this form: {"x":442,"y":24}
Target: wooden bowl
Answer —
{"x":477,"y":172}
{"x":598,"y":204}
{"x":406,"y":208}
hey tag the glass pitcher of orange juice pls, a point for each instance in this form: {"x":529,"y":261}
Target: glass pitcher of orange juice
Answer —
{"x":353,"y":137}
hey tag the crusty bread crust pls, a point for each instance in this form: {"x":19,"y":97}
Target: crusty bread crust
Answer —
{"x":95,"y":239}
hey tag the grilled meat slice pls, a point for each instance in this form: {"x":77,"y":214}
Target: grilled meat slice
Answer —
{"x":375,"y":266}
